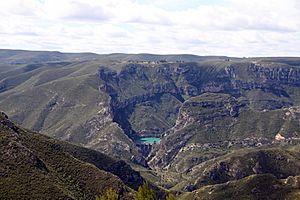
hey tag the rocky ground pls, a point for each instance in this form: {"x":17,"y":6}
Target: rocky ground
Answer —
{"x":208,"y":111}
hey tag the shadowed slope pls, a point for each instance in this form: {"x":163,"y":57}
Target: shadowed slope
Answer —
{"x":38,"y":167}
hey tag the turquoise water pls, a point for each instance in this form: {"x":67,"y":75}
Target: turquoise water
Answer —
{"x":150,"y":140}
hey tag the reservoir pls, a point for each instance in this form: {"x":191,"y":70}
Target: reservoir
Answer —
{"x":150,"y":140}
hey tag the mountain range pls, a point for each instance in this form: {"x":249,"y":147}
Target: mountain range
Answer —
{"x":226,"y":128}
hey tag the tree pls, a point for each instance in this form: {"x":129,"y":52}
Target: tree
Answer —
{"x":145,"y":193}
{"x":171,"y":197}
{"x":109,"y":194}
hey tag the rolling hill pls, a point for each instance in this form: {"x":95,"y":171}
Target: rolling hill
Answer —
{"x":209,"y":113}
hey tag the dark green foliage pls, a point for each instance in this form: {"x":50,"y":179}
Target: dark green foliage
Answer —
{"x":171,"y":197}
{"x":33,"y":166}
{"x":109,"y":194}
{"x":145,"y":193}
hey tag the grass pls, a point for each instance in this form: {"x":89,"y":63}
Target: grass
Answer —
{"x":152,"y":96}
{"x":40,"y":167}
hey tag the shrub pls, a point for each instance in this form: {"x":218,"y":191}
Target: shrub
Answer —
{"x":109,"y":194}
{"x":145,"y":193}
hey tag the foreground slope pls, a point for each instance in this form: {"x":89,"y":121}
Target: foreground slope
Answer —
{"x":255,"y":187}
{"x":38,"y":167}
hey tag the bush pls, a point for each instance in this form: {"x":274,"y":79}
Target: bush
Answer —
{"x":145,"y":193}
{"x":109,"y":194}
{"x":171,"y":197}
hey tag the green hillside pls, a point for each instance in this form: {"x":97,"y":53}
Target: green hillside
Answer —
{"x":40,"y":167}
{"x":218,"y":119}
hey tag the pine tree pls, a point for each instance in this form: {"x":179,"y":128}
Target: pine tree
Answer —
{"x":109,"y":194}
{"x":145,"y":193}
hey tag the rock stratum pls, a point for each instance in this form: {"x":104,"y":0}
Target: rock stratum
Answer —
{"x":209,"y":113}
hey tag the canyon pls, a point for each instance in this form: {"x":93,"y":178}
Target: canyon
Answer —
{"x":206,"y":113}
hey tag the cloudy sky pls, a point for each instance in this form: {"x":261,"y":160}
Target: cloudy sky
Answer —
{"x":203,"y":27}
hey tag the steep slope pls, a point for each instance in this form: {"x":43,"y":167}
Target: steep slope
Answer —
{"x":209,"y":113}
{"x":216,"y":166}
{"x":38,"y":167}
{"x":281,"y":162}
{"x":63,"y":100}
{"x":109,"y":102}
{"x":71,"y":101}
{"x":220,"y":121}
{"x":253,"y":187}
{"x":259,"y":100}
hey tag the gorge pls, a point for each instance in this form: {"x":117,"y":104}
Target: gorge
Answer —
{"x":188,"y":124}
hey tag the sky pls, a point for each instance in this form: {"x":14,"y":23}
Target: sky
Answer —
{"x":242,"y":28}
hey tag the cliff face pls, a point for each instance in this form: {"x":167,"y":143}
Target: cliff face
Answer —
{"x":137,"y":82}
{"x":219,"y":121}
{"x":202,"y":108}
{"x":255,"y":90}
{"x":102,"y":133}
{"x":273,"y":78}
{"x":204,"y":114}
{"x":106,"y":108}
{"x":222,"y":108}
{"x":279,"y":74}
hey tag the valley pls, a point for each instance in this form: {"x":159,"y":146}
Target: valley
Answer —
{"x":201,"y":127}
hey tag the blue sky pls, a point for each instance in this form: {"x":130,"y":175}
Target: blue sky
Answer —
{"x":203,"y":27}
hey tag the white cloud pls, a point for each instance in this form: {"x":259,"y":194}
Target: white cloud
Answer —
{"x":76,"y":10}
{"x":224,"y":27}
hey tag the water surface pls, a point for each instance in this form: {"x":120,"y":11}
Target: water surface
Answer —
{"x":150,"y":140}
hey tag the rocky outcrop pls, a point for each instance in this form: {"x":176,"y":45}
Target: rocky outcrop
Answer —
{"x":43,"y":115}
{"x":191,"y":79}
{"x":113,"y":93}
{"x":4,"y":121}
{"x":261,"y":186}
{"x":266,"y":77}
{"x":280,"y":75}
{"x":218,"y":121}
{"x":105,"y":135}
{"x":198,"y":112}
{"x":278,"y":162}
